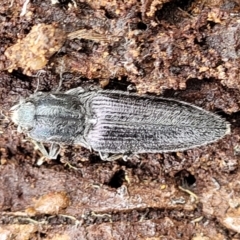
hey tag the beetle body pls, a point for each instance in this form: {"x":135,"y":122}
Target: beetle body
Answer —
{"x":117,"y":122}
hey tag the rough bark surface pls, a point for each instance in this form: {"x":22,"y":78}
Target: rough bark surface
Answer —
{"x":188,"y":50}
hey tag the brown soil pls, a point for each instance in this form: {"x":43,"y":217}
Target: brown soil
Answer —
{"x":188,"y":50}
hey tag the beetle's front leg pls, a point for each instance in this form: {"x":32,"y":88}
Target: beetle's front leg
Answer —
{"x":52,"y":154}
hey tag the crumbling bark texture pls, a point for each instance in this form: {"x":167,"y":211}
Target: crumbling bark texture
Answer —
{"x":187,"y":50}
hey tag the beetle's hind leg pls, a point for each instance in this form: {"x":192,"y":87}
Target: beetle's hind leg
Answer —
{"x":108,"y":157}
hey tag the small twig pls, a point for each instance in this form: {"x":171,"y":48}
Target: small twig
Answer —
{"x":11,"y":4}
{"x":87,"y":34}
{"x":24,"y":8}
{"x":197,"y":219}
{"x":185,"y":12}
{"x":189,"y":192}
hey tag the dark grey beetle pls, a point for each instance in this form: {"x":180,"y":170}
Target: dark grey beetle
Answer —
{"x":115,"y":122}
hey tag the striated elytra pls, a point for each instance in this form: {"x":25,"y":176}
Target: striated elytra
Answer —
{"x":116,"y":122}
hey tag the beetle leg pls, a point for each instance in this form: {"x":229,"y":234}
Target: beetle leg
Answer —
{"x":53,"y":150}
{"x":75,"y":91}
{"x":108,"y":157}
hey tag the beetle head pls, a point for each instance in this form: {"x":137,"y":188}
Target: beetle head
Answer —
{"x":22,"y":114}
